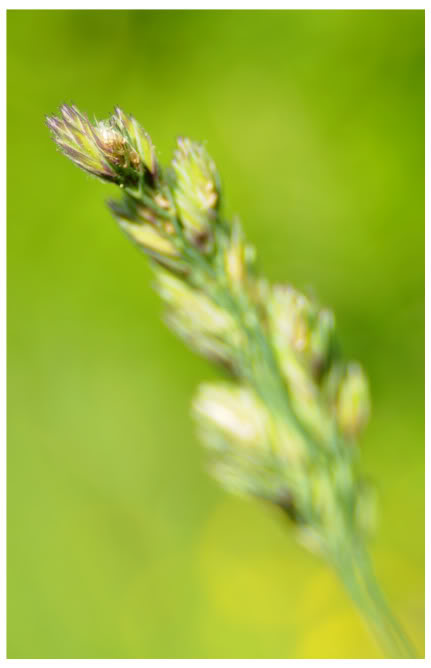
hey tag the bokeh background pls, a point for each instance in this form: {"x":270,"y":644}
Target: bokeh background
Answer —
{"x":119,"y":544}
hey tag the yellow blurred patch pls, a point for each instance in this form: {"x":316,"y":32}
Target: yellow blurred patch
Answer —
{"x":251,"y":570}
{"x":339,"y":636}
{"x":322,"y":595}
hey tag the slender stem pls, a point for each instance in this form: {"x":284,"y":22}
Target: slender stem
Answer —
{"x":354,"y":570}
{"x":376,"y":594}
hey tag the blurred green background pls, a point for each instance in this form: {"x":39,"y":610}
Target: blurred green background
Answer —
{"x":119,"y":544}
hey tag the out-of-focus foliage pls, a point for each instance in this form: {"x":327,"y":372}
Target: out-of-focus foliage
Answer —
{"x":118,"y":544}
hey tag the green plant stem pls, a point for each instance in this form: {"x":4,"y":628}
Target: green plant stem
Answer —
{"x":353,"y":567}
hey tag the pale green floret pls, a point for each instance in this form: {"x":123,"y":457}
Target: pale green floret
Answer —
{"x":236,"y":427}
{"x":321,"y":339}
{"x":299,"y":324}
{"x":138,"y":138}
{"x":235,"y":257}
{"x":201,"y":313}
{"x":235,"y":412}
{"x":295,"y":328}
{"x":149,"y":238}
{"x":194,"y":316}
{"x":196,"y":189}
{"x":353,"y":402}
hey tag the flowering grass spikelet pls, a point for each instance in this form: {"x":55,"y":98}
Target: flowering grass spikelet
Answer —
{"x":116,"y":150}
{"x":284,"y":428}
